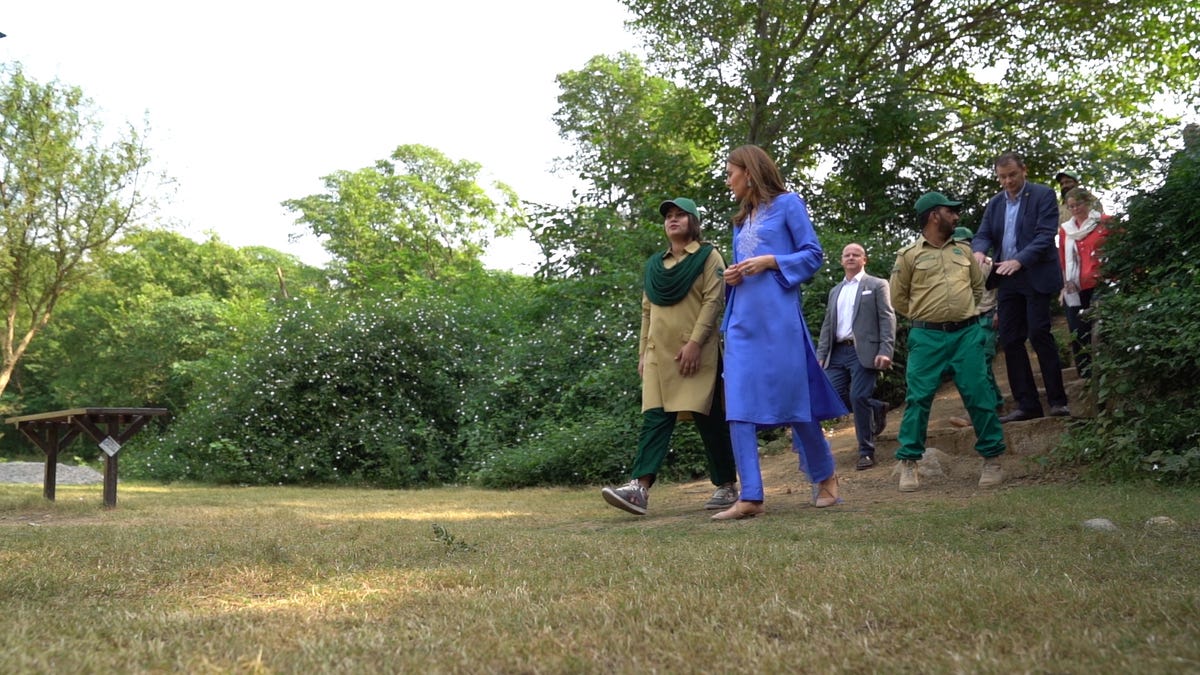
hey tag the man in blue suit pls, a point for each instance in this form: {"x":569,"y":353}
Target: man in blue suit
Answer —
{"x":1019,"y":226}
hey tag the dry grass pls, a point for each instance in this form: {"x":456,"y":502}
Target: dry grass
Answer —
{"x":290,"y":580}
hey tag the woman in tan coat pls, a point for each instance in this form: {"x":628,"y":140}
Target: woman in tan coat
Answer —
{"x":679,"y":359}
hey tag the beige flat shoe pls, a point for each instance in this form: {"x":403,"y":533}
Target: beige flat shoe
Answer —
{"x":740,"y":510}
{"x":827,"y":492}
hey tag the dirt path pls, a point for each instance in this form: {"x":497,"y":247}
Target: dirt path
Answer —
{"x":950,"y":451}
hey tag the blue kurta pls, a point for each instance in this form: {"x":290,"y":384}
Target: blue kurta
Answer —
{"x":772,"y":376}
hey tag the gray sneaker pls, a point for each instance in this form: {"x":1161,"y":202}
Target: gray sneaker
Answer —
{"x":908,"y":476}
{"x":725,"y":497}
{"x":992,"y":474}
{"x":631,"y":497}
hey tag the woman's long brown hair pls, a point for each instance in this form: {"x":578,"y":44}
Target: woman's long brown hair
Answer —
{"x":765,"y":180}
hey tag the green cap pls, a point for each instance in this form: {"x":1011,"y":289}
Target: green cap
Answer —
{"x":963,"y":234}
{"x":683,"y":203}
{"x":1065,"y":174}
{"x":930,"y":200}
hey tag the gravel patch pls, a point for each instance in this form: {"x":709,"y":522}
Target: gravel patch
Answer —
{"x":35,"y":472}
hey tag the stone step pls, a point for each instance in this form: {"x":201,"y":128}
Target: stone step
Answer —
{"x":950,"y":431}
{"x":1030,"y":438}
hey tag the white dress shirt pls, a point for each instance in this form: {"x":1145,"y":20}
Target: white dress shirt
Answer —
{"x":845,"y":307}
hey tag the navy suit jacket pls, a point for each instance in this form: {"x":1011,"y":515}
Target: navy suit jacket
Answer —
{"x":1037,"y":225}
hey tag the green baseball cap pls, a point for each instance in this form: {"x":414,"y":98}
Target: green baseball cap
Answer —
{"x":963,"y":234}
{"x":683,"y":203}
{"x":1066,"y":174}
{"x":931,"y":200}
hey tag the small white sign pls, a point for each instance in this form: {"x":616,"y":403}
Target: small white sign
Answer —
{"x":110,"y":445}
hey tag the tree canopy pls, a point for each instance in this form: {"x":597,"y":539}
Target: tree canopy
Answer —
{"x":417,"y":213}
{"x":867,"y":103}
{"x":65,"y":193}
{"x":159,"y":309}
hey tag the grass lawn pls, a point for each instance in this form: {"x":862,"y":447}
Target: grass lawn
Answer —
{"x":295,"y":580}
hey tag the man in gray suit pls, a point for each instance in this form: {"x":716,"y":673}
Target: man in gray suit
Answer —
{"x":858,"y":339}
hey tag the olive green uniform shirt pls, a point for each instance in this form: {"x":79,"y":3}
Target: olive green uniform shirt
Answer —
{"x":937,"y":284}
{"x":988,"y":303}
{"x":665,"y":330}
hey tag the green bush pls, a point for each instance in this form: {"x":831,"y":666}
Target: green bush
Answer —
{"x":366,"y":393}
{"x":499,"y":380}
{"x":1148,"y":317}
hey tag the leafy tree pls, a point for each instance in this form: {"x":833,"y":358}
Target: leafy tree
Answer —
{"x":638,"y":140}
{"x":867,"y":103}
{"x":159,"y":310}
{"x":416,"y":214}
{"x":636,"y":136}
{"x":182,"y":266}
{"x":64,"y":195}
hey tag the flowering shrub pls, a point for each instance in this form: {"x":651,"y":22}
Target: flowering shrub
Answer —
{"x":366,"y":393}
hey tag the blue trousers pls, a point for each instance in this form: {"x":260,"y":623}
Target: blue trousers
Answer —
{"x":808,"y":440}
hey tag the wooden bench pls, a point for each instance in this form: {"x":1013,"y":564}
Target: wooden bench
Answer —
{"x":110,"y":428}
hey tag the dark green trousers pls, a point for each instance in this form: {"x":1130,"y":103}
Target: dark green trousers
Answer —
{"x":989,"y":354}
{"x":932,"y":353}
{"x":655,"y":441}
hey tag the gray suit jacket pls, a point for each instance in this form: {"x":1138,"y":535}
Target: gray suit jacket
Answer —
{"x":874,"y":322}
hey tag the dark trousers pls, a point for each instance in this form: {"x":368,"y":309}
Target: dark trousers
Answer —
{"x":1025,"y":314}
{"x":1081,"y":334}
{"x":655,"y":441}
{"x":855,"y":384}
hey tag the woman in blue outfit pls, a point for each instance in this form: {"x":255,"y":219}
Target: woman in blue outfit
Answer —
{"x":772,"y":376}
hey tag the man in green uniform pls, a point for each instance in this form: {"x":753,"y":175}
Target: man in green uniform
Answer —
{"x":937,"y":284}
{"x":987,"y":318}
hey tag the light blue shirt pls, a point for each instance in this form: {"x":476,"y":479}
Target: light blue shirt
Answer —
{"x":1008,"y":248}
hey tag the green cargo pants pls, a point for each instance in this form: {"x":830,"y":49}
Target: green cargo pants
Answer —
{"x":962,"y":353}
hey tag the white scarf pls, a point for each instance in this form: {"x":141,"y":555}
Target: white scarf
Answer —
{"x":1074,"y":233}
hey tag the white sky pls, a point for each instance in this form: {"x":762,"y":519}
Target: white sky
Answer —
{"x":251,"y":102}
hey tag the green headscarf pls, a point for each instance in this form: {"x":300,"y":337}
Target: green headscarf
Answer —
{"x":666,"y":287}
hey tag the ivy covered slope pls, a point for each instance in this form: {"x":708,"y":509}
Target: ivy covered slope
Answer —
{"x":1145,"y":370}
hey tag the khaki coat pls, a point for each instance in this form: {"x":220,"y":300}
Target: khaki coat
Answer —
{"x":665,"y":330}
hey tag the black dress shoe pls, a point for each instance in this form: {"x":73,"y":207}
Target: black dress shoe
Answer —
{"x":1019,"y":416}
{"x":865,"y":462}
{"x":1060,"y":411}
